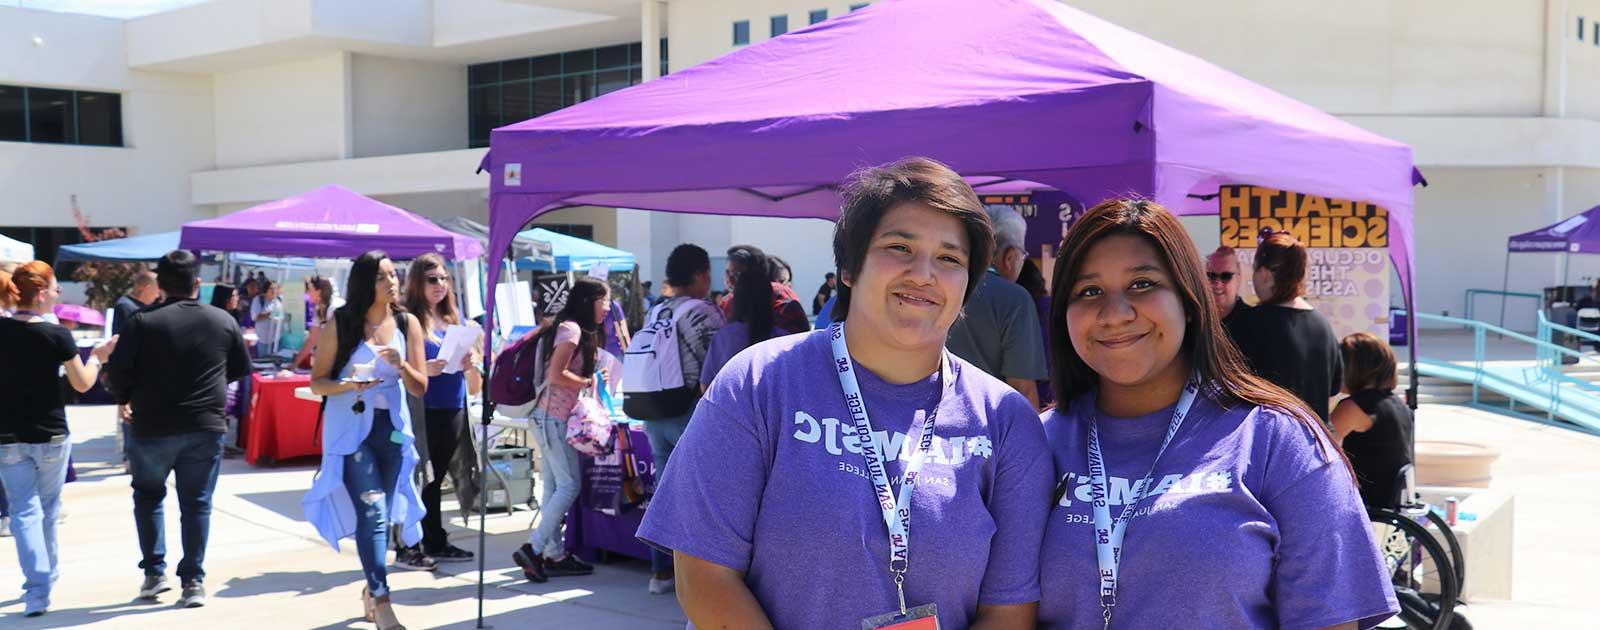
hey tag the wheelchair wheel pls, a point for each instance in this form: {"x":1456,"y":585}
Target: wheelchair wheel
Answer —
{"x":1422,"y":573}
{"x":1458,"y":561}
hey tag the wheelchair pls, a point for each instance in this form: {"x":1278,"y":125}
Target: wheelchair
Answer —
{"x":1426,"y":570}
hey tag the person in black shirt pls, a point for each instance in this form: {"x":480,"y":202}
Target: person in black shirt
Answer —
{"x":1284,"y":340}
{"x":824,"y":293}
{"x":1373,"y":425}
{"x":34,"y":446}
{"x":173,"y":365}
{"x":1223,"y":278}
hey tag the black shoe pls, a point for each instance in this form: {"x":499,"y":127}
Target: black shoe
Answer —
{"x":153,"y":585}
{"x":532,"y":565}
{"x":451,"y":553}
{"x":568,"y":565}
{"x":194,"y":594}
{"x":413,"y":558}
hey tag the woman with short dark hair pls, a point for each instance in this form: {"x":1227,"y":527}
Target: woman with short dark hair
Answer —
{"x":1192,"y":493}
{"x":1373,"y":425}
{"x":1283,"y":338}
{"x":781,"y":506}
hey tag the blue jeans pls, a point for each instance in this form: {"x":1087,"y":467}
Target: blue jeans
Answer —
{"x":558,"y":474}
{"x":193,"y":459}
{"x":370,"y":474}
{"x":664,"y":435}
{"x":32,"y":475}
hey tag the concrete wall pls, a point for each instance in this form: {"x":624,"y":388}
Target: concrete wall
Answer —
{"x":145,"y":184}
{"x":701,"y":30}
{"x":404,"y":106}
{"x":290,"y":112}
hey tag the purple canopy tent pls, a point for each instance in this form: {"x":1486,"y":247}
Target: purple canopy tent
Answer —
{"x":329,"y":222}
{"x":1577,"y":234}
{"x":1013,"y":89}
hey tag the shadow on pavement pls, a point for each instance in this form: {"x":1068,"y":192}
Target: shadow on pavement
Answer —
{"x":297,"y":582}
{"x":74,"y":617}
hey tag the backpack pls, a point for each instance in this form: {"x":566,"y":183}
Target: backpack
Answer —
{"x":652,"y":372}
{"x":517,"y":378}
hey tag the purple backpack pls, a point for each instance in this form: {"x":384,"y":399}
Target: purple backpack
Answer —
{"x":516,"y":380}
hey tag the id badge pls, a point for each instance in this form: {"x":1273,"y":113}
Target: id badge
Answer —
{"x":924,"y":617}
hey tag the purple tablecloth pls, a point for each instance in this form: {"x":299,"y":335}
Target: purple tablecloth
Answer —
{"x":591,"y":525}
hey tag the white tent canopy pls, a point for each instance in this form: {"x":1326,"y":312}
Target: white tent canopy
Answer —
{"x":14,"y":251}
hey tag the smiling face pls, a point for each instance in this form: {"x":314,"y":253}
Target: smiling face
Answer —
{"x":912,"y":279}
{"x":1124,"y":315}
{"x":1223,"y":278}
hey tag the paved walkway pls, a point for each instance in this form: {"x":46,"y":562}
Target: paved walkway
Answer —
{"x":268,"y":569}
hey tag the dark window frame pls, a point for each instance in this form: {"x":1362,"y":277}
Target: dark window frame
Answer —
{"x":741,"y":38}
{"x":778,"y":25}
{"x":548,"y":71}
{"x":72,"y":122}
{"x":818,"y":16}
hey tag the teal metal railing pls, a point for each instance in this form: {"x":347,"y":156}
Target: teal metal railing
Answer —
{"x":1471,"y":301}
{"x":1573,"y":399}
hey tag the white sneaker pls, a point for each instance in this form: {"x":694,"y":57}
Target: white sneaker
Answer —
{"x":661,"y":587}
{"x":5,"y":527}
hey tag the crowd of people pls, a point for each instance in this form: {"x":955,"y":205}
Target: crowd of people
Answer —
{"x":1130,"y":443}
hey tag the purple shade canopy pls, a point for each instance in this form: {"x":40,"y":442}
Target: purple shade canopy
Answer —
{"x":329,"y":222}
{"x":1020,"y":89}
{"x":1578,"y":234}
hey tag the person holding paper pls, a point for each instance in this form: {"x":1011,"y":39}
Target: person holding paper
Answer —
{"x":429,"y":297}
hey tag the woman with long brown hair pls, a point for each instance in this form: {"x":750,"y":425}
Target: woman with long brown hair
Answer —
{"x":1191,"y":493}
{"x":1283,"y":338}
{"x":429,"y":297}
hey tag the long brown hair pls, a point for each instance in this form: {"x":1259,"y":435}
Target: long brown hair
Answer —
{"x":417,"y":292}
{"x":1285,"y":258}
{"x":1209,"y":349}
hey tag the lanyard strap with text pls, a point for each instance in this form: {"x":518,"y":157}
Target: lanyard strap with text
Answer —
{"x":1108,"y":534}
{"x":896,"y":510}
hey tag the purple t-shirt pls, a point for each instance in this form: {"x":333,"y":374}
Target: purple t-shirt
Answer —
{"x":729,"y":340}
{"x":769,"y":480}
{"x":1250,"y":524}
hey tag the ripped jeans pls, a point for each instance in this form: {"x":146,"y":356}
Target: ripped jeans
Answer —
{"x":370,"y":474}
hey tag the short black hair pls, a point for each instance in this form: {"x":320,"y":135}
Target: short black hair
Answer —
{"x":827,"y":276}
{"x":873,"y":192}
{"x":685,"y":262}
{"x":178,"y":273}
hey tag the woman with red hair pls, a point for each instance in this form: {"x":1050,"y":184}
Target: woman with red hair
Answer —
{"x":33,"y":432}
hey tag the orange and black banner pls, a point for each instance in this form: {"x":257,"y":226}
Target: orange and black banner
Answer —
{"x":1315,"y":221}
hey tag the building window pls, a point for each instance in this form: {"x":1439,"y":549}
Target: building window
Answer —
{"x":501,"y":93}
{"x":741,"y":32}
{"x":580,"y":230}
{"x":819,"y":15}
{"x":858,"y":7}
{"x":780,"y":25}
{"x":54,"y":116}
{"x":1580,"y":28}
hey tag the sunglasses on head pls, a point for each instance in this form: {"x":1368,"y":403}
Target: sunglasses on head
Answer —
{"x":1225,"y":276}
{"x":438,"y":279}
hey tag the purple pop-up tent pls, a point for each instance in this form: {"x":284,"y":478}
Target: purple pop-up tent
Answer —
{"x":329,"y":222}
{"x":1577,"y":234}
{"x":1020,"y":89}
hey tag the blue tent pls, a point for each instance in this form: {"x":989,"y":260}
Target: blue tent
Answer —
{"x":151,"y":247}
{"x":574,"y":254}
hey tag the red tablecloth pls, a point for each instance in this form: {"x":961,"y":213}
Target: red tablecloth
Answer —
{"x":280,"y":426}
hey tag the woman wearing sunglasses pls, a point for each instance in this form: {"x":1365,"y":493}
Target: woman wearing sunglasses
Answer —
{"x":365,"y":364}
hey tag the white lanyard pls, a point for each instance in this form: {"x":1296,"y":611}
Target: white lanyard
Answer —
{"x":896,"y":511}
{"x":1108,"y":534}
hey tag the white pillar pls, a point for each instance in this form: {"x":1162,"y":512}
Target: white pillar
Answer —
{"x":650,"y":37}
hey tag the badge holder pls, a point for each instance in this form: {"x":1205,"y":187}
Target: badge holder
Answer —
{"x":924,"y":617}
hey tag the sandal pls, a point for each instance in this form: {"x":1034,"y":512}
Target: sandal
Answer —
{"x":383,"y":601}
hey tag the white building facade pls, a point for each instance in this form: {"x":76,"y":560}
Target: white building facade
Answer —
{"x":228,"y":103}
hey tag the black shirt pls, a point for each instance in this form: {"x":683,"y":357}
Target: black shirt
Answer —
{"x":1239,"y":306}
{"x":173,"y":363}
{"x":1293,"y":348}
{"x":1380,"y":452}
{"x":34,"y":408}
{"x":122,"y":313}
